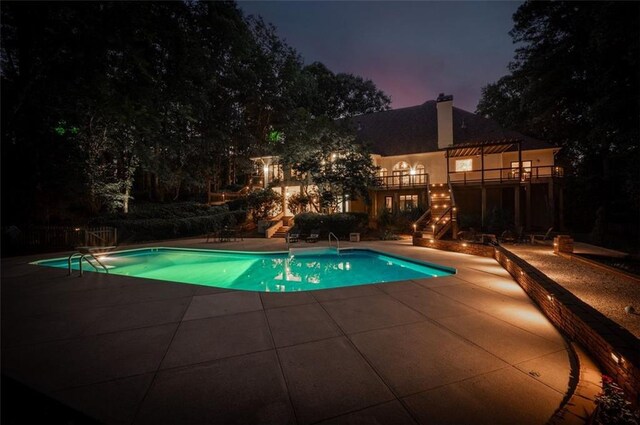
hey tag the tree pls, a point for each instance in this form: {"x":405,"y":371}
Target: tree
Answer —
{"x":326,"y":152}
{"x":574,"y":81}
{"x":263,"y":203}
{"x":340,"y":95}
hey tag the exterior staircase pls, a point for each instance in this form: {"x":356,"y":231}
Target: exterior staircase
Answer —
{"x":284,"y":229}
{"x":441,"y":217}
{"x":281,"y":232}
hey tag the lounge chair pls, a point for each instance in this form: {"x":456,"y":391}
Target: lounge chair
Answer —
{"x":541,"y":238}
{"x":293,"y":236}
{"x":314,"y":236}
{"x":470,"y":236}
{"x":514,"y":236}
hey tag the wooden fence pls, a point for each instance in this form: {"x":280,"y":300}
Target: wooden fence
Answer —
{"x":47,"y":237}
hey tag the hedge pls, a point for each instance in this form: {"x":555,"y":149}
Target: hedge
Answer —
{"x":340,"y":224}
{"x":148,"y":210}
{"x":140,"y":230}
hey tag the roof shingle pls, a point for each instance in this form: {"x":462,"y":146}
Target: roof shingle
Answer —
{"x":415,"y":130}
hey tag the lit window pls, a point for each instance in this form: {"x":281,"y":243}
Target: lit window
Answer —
{"x":383,"y":172}
{"x":420,"y":174}
{"x":388,"y":203}
{"x":526,"y":166}
{"x":408,"y":202}
{"x":464,"y":165}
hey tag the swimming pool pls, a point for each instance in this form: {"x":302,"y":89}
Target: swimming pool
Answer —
{"x":300,"y":270}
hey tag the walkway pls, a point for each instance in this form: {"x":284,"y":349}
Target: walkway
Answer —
{"x":607,"y":292}
{"x":470,"y":348}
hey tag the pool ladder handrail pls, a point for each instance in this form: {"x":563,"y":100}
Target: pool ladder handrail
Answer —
{"x":337,"y":241}
{"x":85,"y":256}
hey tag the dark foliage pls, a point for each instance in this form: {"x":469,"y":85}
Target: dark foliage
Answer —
{"x":340,"y":224}
{"x":110,"y":103}
{"x":574,"y":82}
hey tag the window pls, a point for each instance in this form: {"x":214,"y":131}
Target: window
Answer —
{"x":408,"y":202}
{"x":464,"y":165}
{"x":420,"y":177}
{"x":388,"y":203}
{"x":383,"y":172}
{"x":401,"y":174}
{"x":275,"y":172}
{"x":526,"y":166}
{"x":401,"y":177}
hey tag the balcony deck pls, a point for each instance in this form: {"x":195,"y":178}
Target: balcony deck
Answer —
{"x":409,"y":181}
{"x":509,"y":175}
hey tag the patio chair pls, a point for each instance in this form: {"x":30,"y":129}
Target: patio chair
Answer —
{"x":314,"y":236}
{"x":293,"y":236}
{"x":470,"y":236}
{"x":541,"y":238}
{"x":514,"y":236}
{"x":508,"y":236}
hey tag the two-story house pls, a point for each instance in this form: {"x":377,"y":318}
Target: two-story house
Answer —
{"x":451,"y":162}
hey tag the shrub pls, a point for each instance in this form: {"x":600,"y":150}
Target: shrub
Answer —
{"x":399,"y":221}
{"x":341,"y":223}
{"x":612,"y":408}
{"x":150,"y":210}
{"x":139,"y":230}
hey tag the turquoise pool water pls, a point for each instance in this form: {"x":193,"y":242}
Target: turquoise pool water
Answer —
{"x":301,"y":270}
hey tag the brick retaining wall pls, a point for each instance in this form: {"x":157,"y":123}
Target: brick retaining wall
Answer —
{"x":456,"y":246}
{"x":602,"y":337}
{"x":614,"y":348}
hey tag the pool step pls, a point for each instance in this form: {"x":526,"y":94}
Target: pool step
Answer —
{"x":301,"y":252}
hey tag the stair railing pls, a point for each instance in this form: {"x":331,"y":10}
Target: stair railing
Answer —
{"x":337,"y":240}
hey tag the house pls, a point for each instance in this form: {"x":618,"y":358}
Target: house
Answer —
{"x":453,"y":164}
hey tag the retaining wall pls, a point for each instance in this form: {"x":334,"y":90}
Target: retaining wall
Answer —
{"x":614,"y":348}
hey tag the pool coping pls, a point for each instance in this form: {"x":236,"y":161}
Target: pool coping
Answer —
{"x":385,"y":253}
{"x":452,"y":271}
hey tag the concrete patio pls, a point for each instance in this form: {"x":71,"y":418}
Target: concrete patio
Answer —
{"x":469,"y":348}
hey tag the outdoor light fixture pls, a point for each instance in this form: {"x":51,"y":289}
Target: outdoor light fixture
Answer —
{"x":550,"y":297}
{"x":616,"y":358}
{"x":464,"y":244}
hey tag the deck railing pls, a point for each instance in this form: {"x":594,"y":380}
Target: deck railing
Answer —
{"x":506,"y":175}
{"x":401,"y":182}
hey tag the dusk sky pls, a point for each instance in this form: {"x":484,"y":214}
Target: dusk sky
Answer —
{"x":411,"y":50}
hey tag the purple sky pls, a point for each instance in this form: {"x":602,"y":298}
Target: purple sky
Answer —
{"x":411,"y":50}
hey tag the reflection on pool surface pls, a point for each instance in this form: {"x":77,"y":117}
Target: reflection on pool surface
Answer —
{"x":301,"y":270}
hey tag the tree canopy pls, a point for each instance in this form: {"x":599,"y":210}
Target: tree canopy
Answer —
{"x":105,"y":101}
{"x":574,"y":81}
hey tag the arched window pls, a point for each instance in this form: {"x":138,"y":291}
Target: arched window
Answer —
{"x":401,"y":174}
{"x":402,"y":165}
{"x":383,"y":172}
{"x":420,"y":176}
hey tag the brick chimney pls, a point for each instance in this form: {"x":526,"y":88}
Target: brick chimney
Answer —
{"x":444,"y":106}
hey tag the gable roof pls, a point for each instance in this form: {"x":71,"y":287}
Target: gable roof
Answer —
{"x":415,"y":130}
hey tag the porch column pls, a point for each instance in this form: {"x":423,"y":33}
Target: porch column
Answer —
{"x":552,"y":203}
{"x":527,"y":213}
{"x":561,"y":205}
{"x":516,"y":205}
{"x":484,"y":205}
{"x":482,"y":166}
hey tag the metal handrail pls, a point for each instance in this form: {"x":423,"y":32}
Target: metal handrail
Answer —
{"x":84,"y":256}
{"x":337,"y":240}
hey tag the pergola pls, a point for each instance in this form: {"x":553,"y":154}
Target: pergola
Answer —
{"x":482,"y":149}
{"x":486,"y":148}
